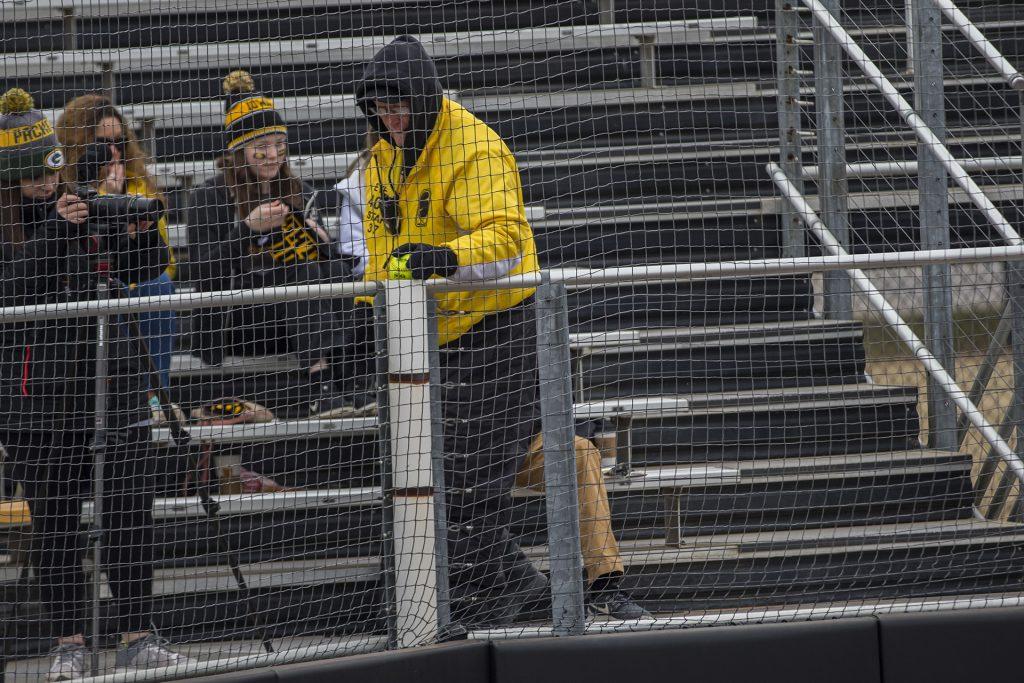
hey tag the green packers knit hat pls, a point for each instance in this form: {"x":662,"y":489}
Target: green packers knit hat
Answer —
{"x":247,"y":115}
{"x":28,"y":144}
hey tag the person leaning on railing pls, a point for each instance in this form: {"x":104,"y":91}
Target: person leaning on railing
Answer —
{"x":444,"y":199}
{"x":92,"y":120}
{"x":55,"y":253}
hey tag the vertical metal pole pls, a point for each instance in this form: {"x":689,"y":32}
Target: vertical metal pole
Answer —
{"x":1015,"y":290}
{"x":444,"y":612}
{"x":70,"y":27}
{"x":412,"y":466}
{"x":832,"y":186}
{"x":908,"y":20}
{"x":108,"y":81}
{"x":566,"y":558}
{"x":787,"y":26}
{"x":606,"y":11}
{"x":99,"y":449}
{"x":648,"y":62}
{"x":933,"y":189}
{"x":387,"y":551}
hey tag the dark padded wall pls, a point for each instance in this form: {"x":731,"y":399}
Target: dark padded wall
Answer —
{"x":940,"y":647}
{"x":844,"y":651}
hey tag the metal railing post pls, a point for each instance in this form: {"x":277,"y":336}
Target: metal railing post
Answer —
{"x":933,"y":213}
{"x":99,"y":452}
{"x":787,"y":27}
{"x":554,"y":371}
{"x":387,"y":550}
{"x":832,"y":185}
{"x":908,"y":21}
{"x":411,"y":444}
{"x":444,"y":612}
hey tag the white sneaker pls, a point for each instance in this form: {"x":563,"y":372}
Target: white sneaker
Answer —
{"x":148,"y":652}
{"x":68,"y":662}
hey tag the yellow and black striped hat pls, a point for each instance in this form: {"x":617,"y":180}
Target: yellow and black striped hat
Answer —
{"x":247,"y":115}
{"x":28,"y":143}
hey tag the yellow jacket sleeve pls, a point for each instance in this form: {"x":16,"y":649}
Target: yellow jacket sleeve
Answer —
{"x":485,"y":200}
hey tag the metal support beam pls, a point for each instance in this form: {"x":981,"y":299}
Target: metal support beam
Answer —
{"x":70,"y":28}
{"x":832,"y":185}
{"x":787,"y":26}
{"x":555,"y":375}
{"x":606,"y":11}
{"x":933,"y":189}
{"x":648,"y":62}
{"x":908,"y":20}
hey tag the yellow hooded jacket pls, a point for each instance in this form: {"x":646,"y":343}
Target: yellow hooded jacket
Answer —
{"x":463,"y":192}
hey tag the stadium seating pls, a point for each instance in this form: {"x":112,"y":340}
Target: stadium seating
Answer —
{"x":781,"y":475}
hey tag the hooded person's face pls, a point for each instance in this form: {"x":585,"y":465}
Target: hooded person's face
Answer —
{"x":396,"y":117}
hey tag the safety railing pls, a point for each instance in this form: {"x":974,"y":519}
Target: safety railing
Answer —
{"x":935,"y":166}
{"x":415,"y":555}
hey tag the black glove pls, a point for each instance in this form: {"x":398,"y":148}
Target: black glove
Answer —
{"x":420,"y":261}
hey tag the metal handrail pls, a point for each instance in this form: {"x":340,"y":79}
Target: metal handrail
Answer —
{"x":572,"y":277}
{"x":907,"y":113}
{"x":946,"y":382}
{"x":976,"y":38}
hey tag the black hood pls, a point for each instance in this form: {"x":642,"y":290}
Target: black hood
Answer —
{"x":402,"y":70}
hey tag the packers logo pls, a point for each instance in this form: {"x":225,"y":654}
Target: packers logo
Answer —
{"x":55,"y":159}
{"x":423,"y":209}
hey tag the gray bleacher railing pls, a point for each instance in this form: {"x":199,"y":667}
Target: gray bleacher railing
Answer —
{"x":419,"y":622}
{"x":934,"y":164}
{"x":1011,"y":323}
{"x":943,"y":379}
{"x":932,"y":168}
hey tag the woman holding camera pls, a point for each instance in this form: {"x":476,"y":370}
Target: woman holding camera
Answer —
{"x":92,"y":121}
{"x":54,"y":253}
{"x":256,"y":225}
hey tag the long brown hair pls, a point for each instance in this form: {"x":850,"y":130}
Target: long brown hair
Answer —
{"x":76,"y":129}
{"x":12,"y":232}
{"x":245,"y":188}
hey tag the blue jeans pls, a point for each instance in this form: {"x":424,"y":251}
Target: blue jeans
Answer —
{"x":159,"y":327}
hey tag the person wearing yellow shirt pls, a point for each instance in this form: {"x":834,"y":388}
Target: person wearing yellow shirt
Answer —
{"x":444,"y":199}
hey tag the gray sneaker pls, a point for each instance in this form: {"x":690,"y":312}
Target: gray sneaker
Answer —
{"x":68,"y":663}
{"x":149,"y":652}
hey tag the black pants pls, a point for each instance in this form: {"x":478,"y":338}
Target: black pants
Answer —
{"x":310,"y":329}
{"x":491,"y":411}
{"x":56,"y":471}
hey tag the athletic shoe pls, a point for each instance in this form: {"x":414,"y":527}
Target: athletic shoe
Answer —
{"x":615,"y":603}
{"x":330,"y":404}
{"x":148,"y":652}
{"x":68,"y":663}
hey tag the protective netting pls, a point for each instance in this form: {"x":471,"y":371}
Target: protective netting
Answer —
{"x":314,"y":473}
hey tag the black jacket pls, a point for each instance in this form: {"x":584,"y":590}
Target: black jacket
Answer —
{"x":225,"y":254}
{"x":48,"y":367}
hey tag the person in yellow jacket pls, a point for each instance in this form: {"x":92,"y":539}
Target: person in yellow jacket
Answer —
{"x":444,"y":199}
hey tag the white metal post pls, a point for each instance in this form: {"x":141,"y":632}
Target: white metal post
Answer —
{"x":412,"y":479}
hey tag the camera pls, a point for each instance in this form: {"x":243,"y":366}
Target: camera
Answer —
{"x":120,"y":209}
